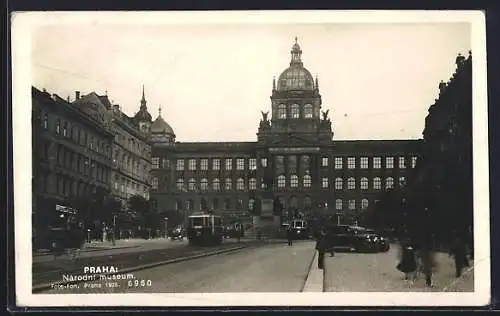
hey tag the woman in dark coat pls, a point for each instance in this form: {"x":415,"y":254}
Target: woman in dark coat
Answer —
{"x":321,"y":245}
{"x":408,"y":262}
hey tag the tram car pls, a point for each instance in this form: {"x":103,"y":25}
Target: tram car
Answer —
{"x":205,"y":229}
{"x":299,"y":228}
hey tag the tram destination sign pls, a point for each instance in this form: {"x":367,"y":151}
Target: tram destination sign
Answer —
{"x":294,"y":150}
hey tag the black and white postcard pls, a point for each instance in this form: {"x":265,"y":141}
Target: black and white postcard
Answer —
{"x":250,"y":158}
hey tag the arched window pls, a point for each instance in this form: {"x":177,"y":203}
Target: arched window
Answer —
{"x":180,"y":184}
{"x":294,"y":181}
{"x":339,"y":183}
{"x":308,"y":111}
{"x":189,"y":205}
{"x":307,"y":202}
{"x":45,"y":121}
{"x":282,"y":111}
{"x":228,"y":184}
{"x":281,"y":181}
{"x":295,"y":111}
{"x":240,"y":184}
{"x":252,"y":184}
{"x":58,"y":126}
{"x":204,"y":184}
{"x":389,"y":183}
{"x":377,"y":184}
{"x":239,"y":204}
{"x":192,"y":184}
{"x":216,"y":184}
{"x":364,"y":204}
{"x":338,"y":204}
{"x":352,"y":204}
{"x":178,"y":205}
{"x":154,"y":183}
{"x":351,"y":183}
{"x":215,"y":204}
{"x":364,"y":183}
{"x":307,"y":181}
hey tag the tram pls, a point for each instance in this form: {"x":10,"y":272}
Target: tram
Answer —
{"x":205,"y":229}
{"x":299,"y":228}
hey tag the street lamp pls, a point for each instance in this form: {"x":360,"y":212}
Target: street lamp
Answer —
{"x":166,"y":230}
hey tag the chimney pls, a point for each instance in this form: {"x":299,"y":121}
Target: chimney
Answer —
{"x":77,"y":95}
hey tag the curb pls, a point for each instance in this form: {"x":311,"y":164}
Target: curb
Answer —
{"x":46,"y":286}
{"x":89,"y":249}
{"x":309,"y":271}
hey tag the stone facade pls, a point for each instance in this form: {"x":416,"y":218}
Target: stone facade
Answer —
{"x":294,"y":160}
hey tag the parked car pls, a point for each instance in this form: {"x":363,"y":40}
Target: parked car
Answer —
{"x":382,"y":242}
{"x":353,"y":238}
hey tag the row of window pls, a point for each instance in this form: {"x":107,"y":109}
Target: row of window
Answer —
{"x":216,"y":184}
{"x":63,"y":185}
{"x":294,"y":111}
{"x":127,"y":186}
{"x":134,"y":145}
{"x":128,"y":163}
{"x":73,"y":132}
{"x":203,"y":164}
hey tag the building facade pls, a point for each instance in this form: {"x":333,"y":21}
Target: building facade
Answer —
{"x":295,"y":165}
{"x":131,"y":151}
{"x":71,"y":156}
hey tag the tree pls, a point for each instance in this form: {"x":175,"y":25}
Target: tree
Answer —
{"x":147,"y":216}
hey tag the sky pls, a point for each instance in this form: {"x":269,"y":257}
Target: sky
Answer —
{"x":213,"y":80}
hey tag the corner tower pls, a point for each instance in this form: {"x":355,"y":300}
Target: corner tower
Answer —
{"x":143,"y":118}
{"x":296,"y":105}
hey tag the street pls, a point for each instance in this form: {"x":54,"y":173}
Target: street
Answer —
{"x":269,"y":268}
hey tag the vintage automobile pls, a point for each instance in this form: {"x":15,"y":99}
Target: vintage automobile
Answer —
{"x":353,"y":238}
{"x":205,"y":229}
{"x":299,"y":229}
{"x":178,"y":233}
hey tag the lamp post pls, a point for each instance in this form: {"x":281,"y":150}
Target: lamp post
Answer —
{"x":166,"y":227}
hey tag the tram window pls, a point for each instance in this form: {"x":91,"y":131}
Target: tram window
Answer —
{"x":198,"y":221}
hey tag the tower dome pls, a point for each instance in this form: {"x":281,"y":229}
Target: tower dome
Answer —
{"x":160,"y":126}
{"x":295,"y":77}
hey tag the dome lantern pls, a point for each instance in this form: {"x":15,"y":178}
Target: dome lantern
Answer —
{"x":296,"y":76}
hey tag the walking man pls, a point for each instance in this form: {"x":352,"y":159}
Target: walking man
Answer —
{"x":321,"y":248}
{"x":289,"y":236}
{"x":458,"y":252}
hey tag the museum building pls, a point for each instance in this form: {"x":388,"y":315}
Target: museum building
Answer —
{"x":294,"y":160}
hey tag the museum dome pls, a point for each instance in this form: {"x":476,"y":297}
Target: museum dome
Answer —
{"x":295,"y":77}
{"x":160,"y":126}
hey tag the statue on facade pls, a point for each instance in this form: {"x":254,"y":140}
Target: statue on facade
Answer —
{"x":325,"y":123}
{"x":442,"y":86}
{"x":325,"y":115}
{"x":460,"y":60}
{"x":264,"y":123}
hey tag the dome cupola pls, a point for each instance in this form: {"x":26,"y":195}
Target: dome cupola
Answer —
{"x":295,"y":77}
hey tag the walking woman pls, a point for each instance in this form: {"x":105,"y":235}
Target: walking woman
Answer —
{"x":408,"y":263}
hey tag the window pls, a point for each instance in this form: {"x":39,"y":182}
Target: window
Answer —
{"x":364,"y":183}
{"x":156,"y":162}
{"x":338,"y":163}
{"x":295,"y":111}
{"x":324,"y":162}
{"x":154,"y":183}
{"x":204,"y":184}
{"x":263,"y":162}
{"x":413,"y":162}
{"x":281,"y":181}
{"x":351,"y":163}
{"x":251,"y":204}
{"x":389,"y":162}
{"x":228,"y":184}
{"x":240,"y":184}
{"x":180,"y":164}
{"x":338,"y":183}
{"x":240,"y":164}
{"x":364,"y":204}
{"x":282,"y":111}
{"x":192,"y":184}
{"x":402,"y":181}
{"x":252,"y":164}
{"x":45,"y":121}
{"x":324,"y":183}
{"x":252,"y":184}
{"x":402,"y":163}
{"x":192,"y":164}
{"x":389,"y":183}
{"x":189,"y":205}
{"x":216,"y":164}
{"x":307,"y":181}
{"x":65,"y":129}
{"x":363,"y":162}
{"x":377,"y":162}
{"x":165,"y":163}
{"x":204,"y":164}
{"x":308,"y":111}
{"x":58,"y":126}
{"x":338,"y":204}
{"x":263,"y":184}
{"x":352,"y":204}
{"x":91,"y":145}
{"x":351,"y":183}
{"x":216,"y":184}
{"x":294,"y":181}
{"x":377,"y":184}
{"x":229,"y":164}
{"x":215,"y":204}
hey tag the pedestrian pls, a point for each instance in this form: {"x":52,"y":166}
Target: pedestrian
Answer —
{"x":458,"y":251}
{"x":289,"y":236}
{"x":408,"y":263}
{"x":321,"y":244}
